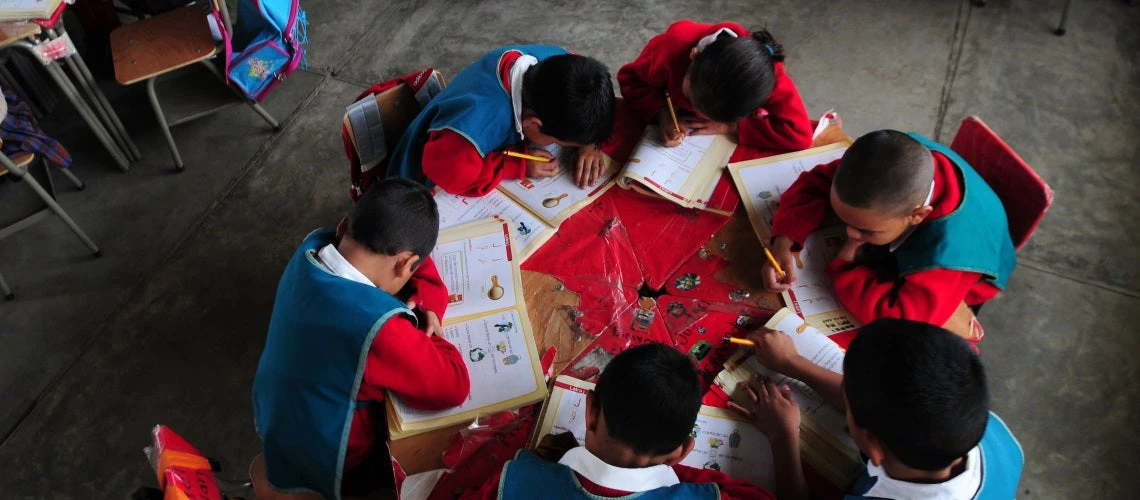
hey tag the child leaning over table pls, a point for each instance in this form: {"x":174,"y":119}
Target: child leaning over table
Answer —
{"x":926,"y":236}
{"x":638,"y":420}
{"x":917,"y":407}
{"x":721,"y":79}
{"x":342,"y":333}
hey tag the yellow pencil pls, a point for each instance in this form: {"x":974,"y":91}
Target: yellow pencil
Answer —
{"x":775,"y":264}
{"x":740,"y":341}
{"x":525,"y":156}
{"x":672,"y":112}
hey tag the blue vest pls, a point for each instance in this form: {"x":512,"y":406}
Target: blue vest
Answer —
{"x":528,"y":476}
{"x":974,"y":237}
{"x":304,"y":393}
{"x":1002,"y":460}
{"x":474,"y":105}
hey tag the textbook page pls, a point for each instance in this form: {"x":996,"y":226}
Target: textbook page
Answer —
{"x":686,"y":174}
{"x":763,"y":182}
{"x":500,"y":356}
{"x":565,"y":411}
{"x":24,"y":10}
{"x":479,"y":269}
{"x":554,"y":199}
{"x":530,"y":232}
{"x":813,"y":294}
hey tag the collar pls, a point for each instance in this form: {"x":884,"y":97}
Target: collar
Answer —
{"x":704,"y":42}
{"x":518,"y":69}
{"x":617,"y":478}
{"x":964,"y":485}
{"x":910,"y":230}
{"x":331,"y":258}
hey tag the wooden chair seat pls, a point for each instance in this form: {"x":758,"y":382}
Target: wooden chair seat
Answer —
{"x":161,"y":44}
{"x":21,"y":159}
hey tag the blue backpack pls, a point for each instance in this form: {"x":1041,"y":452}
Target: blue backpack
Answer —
{"x":267,"y":45}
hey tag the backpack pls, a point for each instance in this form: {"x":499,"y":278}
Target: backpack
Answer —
{"x":267,"y":45}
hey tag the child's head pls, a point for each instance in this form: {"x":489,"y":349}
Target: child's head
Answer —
{"x":643,"y":408}
{"x":567,"y":99}
{"x":882,"y":186}
{"x":733,"y":76}
{"x":389,"y":232}
{"x":916,"y":394}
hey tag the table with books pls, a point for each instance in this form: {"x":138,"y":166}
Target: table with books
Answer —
{"x":544,"y":293}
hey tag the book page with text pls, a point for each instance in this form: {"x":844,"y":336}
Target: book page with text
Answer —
{"x":478,"y":270}
{"x":530,"y":231}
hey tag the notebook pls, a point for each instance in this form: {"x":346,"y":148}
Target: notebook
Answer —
{"x":22,"y":10}
{"x":686,"y":174}
{"x":533,"y":207}
{"x":724,"y":441}
{"x":761,"y":184}
{"x":487,"y":322}
{"x":824,"y":440}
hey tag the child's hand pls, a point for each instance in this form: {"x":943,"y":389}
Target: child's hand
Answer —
{"x":670,"y":136}
{"x":697,"y":126}
{"x":591,"y":163}
{"x":433,"y":326}
{"x":850,"y":249}
{"x":774,"y":411}
{"x":775,"y":350}
{"x":782,"y":251}
{"x":538,"y":169}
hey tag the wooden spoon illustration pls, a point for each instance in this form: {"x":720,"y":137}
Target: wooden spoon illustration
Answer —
{"x":553,"y":202}
{"x":496,"y":292}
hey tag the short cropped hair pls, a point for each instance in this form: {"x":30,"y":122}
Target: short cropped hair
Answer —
{"x":393,"y":216}
{"x":649,"y":396}
{"x":919,"y":389}
{"x":733,"y":76}
{"x":885,"y":170}
{"x":573,"y":96}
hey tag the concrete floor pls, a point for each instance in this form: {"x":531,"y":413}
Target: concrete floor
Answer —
{"x":167,"y":326}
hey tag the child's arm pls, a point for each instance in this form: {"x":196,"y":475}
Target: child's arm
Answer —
{"x":453,"y":163}
{"x":425,"y":370}
{"x":928,"y":296}
{"x":805,"y":205}
{"x":643,"y":81}
{"x":782,"y":124}
{"x":729,"y":488}
{"x":777,"y":415}
{"x":777,"y":352}
{"x":429,"y":294}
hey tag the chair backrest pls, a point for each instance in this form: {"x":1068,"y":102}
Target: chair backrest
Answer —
{"x":1024,"y":194}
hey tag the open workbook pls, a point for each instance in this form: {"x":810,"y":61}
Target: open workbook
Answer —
{"x":824,"y":440}
{"x":762,"y":183}
{"x":686,"y":174}
{"x":487,"y":322}
{"x":533,"y":207}
{"x":23,"y":10}
{"x":724,"y":441}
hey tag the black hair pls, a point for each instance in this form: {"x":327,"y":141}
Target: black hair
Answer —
{"x":919,"y":389}
{"x":393,"y":216}
{"x":885,"y":170}
{"x":573,"y":96}
{"x":733,"y":76}
{"x":649,"y":396}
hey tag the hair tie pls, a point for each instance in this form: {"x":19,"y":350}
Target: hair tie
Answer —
{"x":770,"y":51}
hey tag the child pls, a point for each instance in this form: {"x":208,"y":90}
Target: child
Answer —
{"x":934,"y":234}
{"x":638,"y":420}
{"x":725,"y":79}
{"x":917,"y":406}
{"x":537,"y":93}
{"x":339,"y":337}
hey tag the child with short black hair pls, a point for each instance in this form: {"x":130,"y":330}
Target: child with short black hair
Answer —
{"x":638,"y":423}
{"x":343,"y":332}
{"x":926,"y":236}
{"x":536,"y":94}
{"x":722,"y":79}
{"x":917,"y":406}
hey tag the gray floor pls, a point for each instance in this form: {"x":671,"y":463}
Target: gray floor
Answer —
{"x":167,"y":326}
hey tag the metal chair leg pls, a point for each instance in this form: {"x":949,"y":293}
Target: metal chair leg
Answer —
{"x":75,"y":181}
{"x":253,"y":104}
{"x":163,"y":125}
{"x":1060,"y":31}
{"x":8,"y":294}
{"x":51,"y":203}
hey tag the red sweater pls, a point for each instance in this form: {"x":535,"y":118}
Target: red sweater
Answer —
{"x":454,"y":164}
{"x":729,"y":488}
{"x":782,"y":124}
{"x":928,"y":296}
{"x":426,"y":371}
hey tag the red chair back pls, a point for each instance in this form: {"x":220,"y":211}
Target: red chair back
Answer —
{"x":1024,"y":194}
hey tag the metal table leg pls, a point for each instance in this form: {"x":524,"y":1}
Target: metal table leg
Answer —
{"x":51,"y":203}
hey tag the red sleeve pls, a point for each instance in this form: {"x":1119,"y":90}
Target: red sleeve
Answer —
{"x":928,"y":296}
{"x":453,"y":163}
{"x":782,"y":124}
{"x":729,"y":488}
{"x":806,"y":203}
{"x":643,"y":81}
{"x":426,"y":371}
{"x":430,"y":292}
{"x":489,"y":490}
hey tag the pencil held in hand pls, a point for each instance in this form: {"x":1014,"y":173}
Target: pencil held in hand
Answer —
{"x":672,"y":112}
{"x":739,"y":341}
{"x":525,"y":156}
{"x":775,"y":265}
